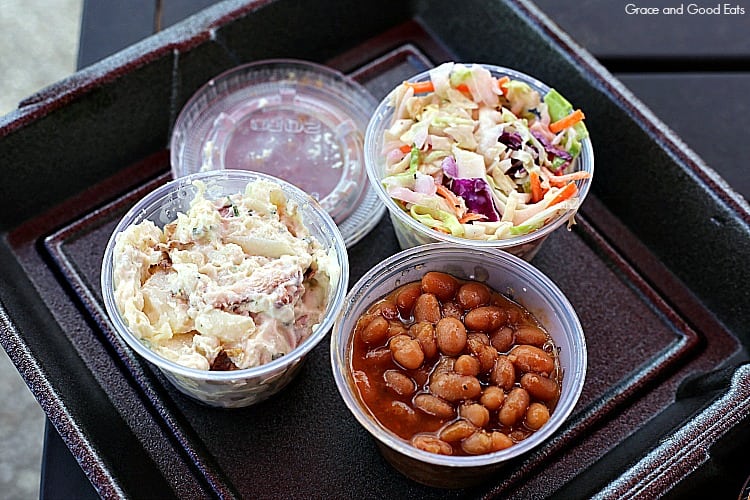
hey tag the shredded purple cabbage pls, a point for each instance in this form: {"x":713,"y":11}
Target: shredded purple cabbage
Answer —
{"x":513,"y":140}
{"x":477,"y":196}
{"x":550,"y":148}
{"x":515,"y":167}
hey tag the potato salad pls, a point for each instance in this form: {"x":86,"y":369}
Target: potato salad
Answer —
{"x":234,"y":283}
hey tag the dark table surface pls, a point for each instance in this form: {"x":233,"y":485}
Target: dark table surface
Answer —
{"x":689,"y":68}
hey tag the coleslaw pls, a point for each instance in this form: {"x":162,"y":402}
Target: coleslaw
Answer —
{"x":482,"y":157}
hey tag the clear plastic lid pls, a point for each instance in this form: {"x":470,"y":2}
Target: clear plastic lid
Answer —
{"x":295,"y":120}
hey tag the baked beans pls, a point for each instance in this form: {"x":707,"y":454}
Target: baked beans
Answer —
{"x":454,"y":367}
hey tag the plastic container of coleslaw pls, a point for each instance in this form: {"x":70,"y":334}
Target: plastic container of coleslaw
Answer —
{"x":410,"y":231}
{"x":295,"y":120}
{"x":238,"y":387}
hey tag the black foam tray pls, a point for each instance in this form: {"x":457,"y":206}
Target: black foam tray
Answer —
{"x":656,"y":268}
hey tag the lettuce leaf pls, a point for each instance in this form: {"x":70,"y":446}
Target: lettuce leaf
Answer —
{"x":558,"y":107}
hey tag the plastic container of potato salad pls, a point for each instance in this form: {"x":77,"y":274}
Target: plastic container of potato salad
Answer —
{"x":296,"y":120}
{"x":237,"y":303}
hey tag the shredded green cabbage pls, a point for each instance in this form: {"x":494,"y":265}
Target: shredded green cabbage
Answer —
{"x":437,"y":218}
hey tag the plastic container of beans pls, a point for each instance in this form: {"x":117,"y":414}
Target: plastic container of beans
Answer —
{"x":502,"y":272}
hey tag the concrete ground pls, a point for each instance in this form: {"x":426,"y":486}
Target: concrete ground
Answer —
{"x":38,"y":46}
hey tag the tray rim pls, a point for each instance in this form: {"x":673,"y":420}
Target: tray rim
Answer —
{"x":60,"y":94}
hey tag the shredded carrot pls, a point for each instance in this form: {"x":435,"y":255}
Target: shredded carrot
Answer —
{"x":470,"y":216}
{"x":501,"y":84}
{"x":405,"y":148}
{"x":567,"y":121}
{"x":561,"y":180}
{"x":452,"y":199}
{"x":536,"y":186}
{"x":565,"y":193}
{"x":420,"y":87}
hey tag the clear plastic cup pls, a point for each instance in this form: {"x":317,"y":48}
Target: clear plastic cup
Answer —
{"x":239,"y":387}
{"x":411,"y":232}
{"x":296,"y":120}
{"x":503,"y":272}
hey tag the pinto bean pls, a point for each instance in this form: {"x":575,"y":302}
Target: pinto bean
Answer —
{"x":475,"y":413}
{"x":432,"y":444}
{"x":444,"y":365}
{"x":454,"y":387}
{"x":492,"y":397}
{"x":485,"y":353}
{"x":472,"y":295}
{"x":375,"y":331}
{"x":485,"y":318}
{"x":503,"y":373}
{"x":403,"y":412}
{"x":514,"y":407}
{"x":399,"y":382}
{"x":528,"y":358}
{"x":500,"y":441}
{"x":427,"y":308}
{"x":442,"y":285}
{"x":502,"y":338}
{"x":386,"y":308}
{"x":467,"y":364}
{"x":515,"y":314}
{"x":407,"y":297}
{"x":433,"y":405}
{"x":531,"y":335}
{"x":396,"y":328}
{"x":536,"y":416}
{"x":540,"y":387}
{"x":457,"y":431}
{"x":450,"y":334}
{"x":424,"y":332}
{"x":478,"y":443}
{"x":451,"y":310}
{"x":406,"y":351}
{"x":478,"y":337}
